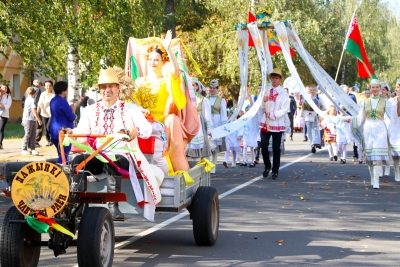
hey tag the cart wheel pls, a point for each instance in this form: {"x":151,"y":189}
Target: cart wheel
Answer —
{"x":205,"y":214}
{"x":96,"y":238}
{"x":13,"y":248}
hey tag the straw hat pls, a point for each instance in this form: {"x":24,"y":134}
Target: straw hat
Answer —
{"x":108,"y":75}
{"x":276,"y":71}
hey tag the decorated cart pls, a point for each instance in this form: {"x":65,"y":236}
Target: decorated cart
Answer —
{"x":48,"y":198}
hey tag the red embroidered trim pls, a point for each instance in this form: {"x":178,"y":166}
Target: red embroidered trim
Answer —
{"x":277,"y":128}
{"x":273,"y":95}
{"x":121,"y":105}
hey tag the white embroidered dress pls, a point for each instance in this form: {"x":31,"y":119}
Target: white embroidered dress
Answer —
{"x":374,"y":129}
{"x":220,"y":118}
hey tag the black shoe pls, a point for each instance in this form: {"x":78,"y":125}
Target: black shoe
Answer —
{"x":256,"y":161}
{"x":313,"y":149}
{"x":266,"y":172}
{"x":305,"y":139}
{"x":49,"y":144}
{"x":225,"y":164}
{"x":275,"y":176}
{"x":360,"y":161}
{"x":331,"y":158}
{"x":243,"y":164}
{"x":37,"y":145}
{"x":252,"y":165}
{"x":342,"y":161}
{"x":335,"y":158}
{"x":318,"y":146}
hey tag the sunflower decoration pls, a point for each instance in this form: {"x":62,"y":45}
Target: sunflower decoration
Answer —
{"x":155,"y":46}
{"x":127,"y":86}
{"x":146,"y":97}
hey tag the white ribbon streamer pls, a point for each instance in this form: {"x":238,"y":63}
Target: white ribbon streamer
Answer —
{"x":328,"y":85}
{"x":231,"y":127}
{"x":243,"y":51}
{"x":283,"y":39}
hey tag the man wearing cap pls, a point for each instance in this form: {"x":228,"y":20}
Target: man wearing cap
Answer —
{"x":278,"y":105}
{"x":109,"y":116}
{"x":219,"y":117}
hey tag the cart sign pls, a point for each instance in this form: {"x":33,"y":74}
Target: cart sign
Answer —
{"x":40,"y":186}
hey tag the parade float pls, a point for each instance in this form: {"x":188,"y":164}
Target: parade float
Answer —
{"x":53,"y":198}
{"x":48,"y":200}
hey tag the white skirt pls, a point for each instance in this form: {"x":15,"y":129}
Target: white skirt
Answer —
{"x":376,"y":142}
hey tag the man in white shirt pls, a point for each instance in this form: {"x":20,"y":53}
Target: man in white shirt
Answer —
{"x":278,"y":105}
{"x":109,"y":116}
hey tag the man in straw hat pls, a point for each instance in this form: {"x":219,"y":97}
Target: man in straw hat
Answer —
{"x":278,"y":105}
{"x":110,"y":116}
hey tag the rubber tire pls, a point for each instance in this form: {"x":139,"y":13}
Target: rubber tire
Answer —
{"x":205,"y":215}
{"x":13,"y":253}
{"x":90,"y":236}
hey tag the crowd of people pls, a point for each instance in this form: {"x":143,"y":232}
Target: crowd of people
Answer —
{"x":182,"y":127}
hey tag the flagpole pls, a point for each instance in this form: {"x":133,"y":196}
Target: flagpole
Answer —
{"x":344,"y":46}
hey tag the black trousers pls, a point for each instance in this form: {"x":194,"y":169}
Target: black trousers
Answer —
{"x":96,"y":167}
{"x":257,"y":150}
{"x":355,"y":150}
{"x":3,"y":122}
{"x":290,"y":115}
{"x":39,"y":131}
{"x":276,"y":149}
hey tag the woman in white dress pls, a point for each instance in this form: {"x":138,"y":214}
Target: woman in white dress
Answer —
{"x":394,"y":131}
{"x":371,"y":119}
{"x":219,"y":117}
{"x":199,"y":146}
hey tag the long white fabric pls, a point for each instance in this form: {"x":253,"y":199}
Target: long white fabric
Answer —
{"x":228,"y":128}
{"x":283,"y":39}
{"x":327,"y":84}
{"x":243,"y":51}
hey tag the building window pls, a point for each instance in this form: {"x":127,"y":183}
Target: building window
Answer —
{"x":16,"y":87}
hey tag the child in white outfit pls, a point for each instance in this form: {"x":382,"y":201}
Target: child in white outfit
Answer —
{"x":343,"y":136}
{"x":330,"y":134}
{"x":232,"y":144}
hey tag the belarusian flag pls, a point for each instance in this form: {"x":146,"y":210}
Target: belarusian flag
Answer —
{"x":354,"y":44}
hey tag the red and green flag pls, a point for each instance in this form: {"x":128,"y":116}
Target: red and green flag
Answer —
{"x":354,"y":44}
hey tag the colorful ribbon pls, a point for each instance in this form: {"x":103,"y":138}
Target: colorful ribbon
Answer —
{"x":43,"y":224}
{"x":208,"y":164}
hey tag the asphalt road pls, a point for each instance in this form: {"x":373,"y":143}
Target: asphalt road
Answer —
{"x":318,"y":213}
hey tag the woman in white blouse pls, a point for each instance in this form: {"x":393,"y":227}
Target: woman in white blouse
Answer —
{"x":44,"y":108}
{"x":5,"y":104}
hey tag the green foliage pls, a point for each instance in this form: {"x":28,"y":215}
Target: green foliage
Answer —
{"x":14,"y":130}
{"x":41,"y":36}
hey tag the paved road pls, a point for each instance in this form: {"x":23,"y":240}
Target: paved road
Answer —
{"x":318,"y":212}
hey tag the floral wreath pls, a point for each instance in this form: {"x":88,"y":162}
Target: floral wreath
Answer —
{"x":153,"y":47}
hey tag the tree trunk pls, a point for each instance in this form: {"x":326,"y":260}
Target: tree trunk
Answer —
{"x":73,"y":63}
{"x":169,"y":14}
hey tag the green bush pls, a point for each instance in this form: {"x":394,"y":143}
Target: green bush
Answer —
{"x":14,"y":130}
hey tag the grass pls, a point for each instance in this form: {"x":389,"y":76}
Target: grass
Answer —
{"x":14,"y":130}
